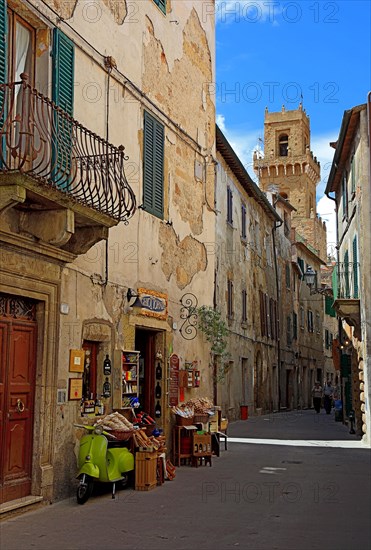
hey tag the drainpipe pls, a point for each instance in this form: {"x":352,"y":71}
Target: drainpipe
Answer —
{"x":109,"y":63}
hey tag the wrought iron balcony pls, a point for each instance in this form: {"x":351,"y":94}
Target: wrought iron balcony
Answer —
{"x":40,"y":140}
{"x":346,"y":280}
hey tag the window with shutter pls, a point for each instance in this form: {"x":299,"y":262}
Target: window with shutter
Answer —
{"x":327,"y":339}
{"x":244,"y":306}
{"x":153,"y":166}
{"x":230,"y":298}
{"x":267,"y":318}
{"x":302,"y":316}
{"x":301,"y":265}
{"x":161,"y":4}
{"x":262,"y":313}
{"x":346,"y":275}
{"x":310,"y":320}
{"x":294,"y":326}
{"x":63,"y":96}
{"x":243,"y":221}
{"x":229,"y":205}
{"x":272,"y":319}
{"x":329,"y":310}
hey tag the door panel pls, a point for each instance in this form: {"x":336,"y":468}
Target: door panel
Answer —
{"x":18,"y":354}
{"x":3,"y":362}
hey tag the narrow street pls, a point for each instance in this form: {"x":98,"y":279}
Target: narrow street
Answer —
{"x":256,"y":495}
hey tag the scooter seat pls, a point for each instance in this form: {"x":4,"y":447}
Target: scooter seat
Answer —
{"x":118,"y":444}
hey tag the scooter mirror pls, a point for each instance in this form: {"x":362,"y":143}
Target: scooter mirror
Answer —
{"x":98,"y":430}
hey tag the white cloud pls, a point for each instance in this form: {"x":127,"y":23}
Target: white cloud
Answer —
{"x":220,"y":120}
{"x":324,"y":153}
{"x":244,"y":143}
{"x":325,"y":206}
{"x":326,"y":210}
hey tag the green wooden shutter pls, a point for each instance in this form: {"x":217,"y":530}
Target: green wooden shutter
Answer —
{"x":355,"y":268}
{"x":63,"y":96}
{"x":161,"y":4}
{"x":63,"y":71}
{"x":301,"y":265}
{"x":346,"y":275}
{"x":153,"y":166}
{"x":329,"y":310}
{"x":3,"y":73}
{"x":335,"y":281}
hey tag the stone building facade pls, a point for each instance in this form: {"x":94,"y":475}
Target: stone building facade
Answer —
{"x":246,"y":287}
{"x":99,"y":243}
{"x":349,"y":181}
{"x":288,"y":169}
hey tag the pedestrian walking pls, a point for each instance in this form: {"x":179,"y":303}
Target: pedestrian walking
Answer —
{"x":328,"y":392}
{"x":317,"y":394}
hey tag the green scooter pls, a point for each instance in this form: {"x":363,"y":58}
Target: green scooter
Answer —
{"x":98,"y":462}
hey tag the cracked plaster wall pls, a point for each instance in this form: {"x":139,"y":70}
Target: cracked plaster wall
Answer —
{"x":183,"y":259}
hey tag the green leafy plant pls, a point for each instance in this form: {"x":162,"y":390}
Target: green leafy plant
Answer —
{"x":216,"y":332}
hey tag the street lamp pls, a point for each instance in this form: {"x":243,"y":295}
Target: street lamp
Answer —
{"x":310,"y":277}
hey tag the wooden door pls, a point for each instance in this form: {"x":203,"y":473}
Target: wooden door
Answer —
{"x":17,"y":385}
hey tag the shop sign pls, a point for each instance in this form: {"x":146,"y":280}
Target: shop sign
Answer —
{"x":151,"y":303}
{"x":174,"y":380}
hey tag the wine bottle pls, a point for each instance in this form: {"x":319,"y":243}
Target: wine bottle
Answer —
{"x":158,"y":391}
{"x":158,"y":371}
{"x":158,"y":410}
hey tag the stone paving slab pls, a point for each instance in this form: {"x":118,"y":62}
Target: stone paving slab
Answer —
{"x":258,"y":497}
{"x":292,"y":425}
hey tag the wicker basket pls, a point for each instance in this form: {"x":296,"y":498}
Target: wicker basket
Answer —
{"x":184,"y":420}
{"x":121,"y":435}
{"x":201,"y":418}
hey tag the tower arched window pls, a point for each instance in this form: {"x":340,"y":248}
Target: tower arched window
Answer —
{"x":283,"y":145}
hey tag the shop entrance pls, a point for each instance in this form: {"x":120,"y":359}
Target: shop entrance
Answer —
{"x":145,"y":342}
{"x":18,"y":332}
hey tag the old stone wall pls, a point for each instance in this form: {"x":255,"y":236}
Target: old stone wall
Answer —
{"x":247,"y":262}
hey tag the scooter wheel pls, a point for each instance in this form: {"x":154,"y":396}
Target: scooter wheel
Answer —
{"x":125,"y":481}
{"x":84,"y":490}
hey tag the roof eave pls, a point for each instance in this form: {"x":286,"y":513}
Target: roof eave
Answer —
{"x":253,"y":191}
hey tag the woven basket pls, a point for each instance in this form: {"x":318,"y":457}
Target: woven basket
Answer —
{"x":121,"y":435}
{"x":183,"y":420}
{"x":201,"y":418}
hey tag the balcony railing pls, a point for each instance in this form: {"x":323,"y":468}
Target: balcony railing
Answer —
{"x":346,"y":280}
{"x":39,"y":139}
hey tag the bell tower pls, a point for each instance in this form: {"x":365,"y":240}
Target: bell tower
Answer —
{"x":288,"y":164}
{"x":288,"y":161}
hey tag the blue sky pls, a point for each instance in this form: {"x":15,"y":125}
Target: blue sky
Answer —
{"x":269,"y":53}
